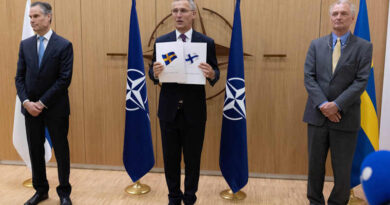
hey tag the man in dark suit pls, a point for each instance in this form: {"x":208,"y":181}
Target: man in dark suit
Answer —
{"x":42,"y":79}
{"x":182,"y":109}
{"x":336,"y":73}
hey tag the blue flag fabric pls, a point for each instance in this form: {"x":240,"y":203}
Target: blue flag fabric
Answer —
{"x":138,"y":156}
{"x":233,"y":158}
{"x":368,"y":137}
{"x":168,"y":58}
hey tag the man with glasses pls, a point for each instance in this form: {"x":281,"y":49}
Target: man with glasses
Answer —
{"x":182,"y":108}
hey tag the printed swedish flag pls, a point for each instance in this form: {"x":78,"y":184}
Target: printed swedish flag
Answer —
{"x":168,"y":58}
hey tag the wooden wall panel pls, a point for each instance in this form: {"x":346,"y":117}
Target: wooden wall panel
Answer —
{"x":105,"y":77}
{"x":94,"y":72}
{"x":275,"y":92}
{"x":68,"y":25}
{"x":9,"y":48}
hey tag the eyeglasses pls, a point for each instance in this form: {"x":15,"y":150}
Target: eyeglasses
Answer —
{"x":183,"y":11}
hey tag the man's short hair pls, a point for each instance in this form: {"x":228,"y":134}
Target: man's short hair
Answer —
{"x":191,"y":2}
{"x":352,"y":6}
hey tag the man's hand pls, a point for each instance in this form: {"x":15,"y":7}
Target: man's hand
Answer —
{"x":157,"y":69}
{"x":207,"y":70}
{"x":33,"y":108}
{"x":329,"y":108}
{"x":335,"y":118}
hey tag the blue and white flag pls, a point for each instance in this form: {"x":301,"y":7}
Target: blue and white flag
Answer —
{"x":19,"y":131}
{"x":233,"y":158}
{"x":138,"y":156}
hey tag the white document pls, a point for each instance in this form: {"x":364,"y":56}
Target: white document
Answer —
{"x":170,"y":54}
{"x":194,"y":54}
{"x":181,"y":61}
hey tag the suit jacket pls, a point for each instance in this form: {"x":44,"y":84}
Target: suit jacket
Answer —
{"x":193,"y":96}
{"x":50,"y":82}
{"x":344,"y":86}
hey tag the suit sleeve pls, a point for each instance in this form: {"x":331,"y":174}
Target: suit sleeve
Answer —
{"x":313,"y":88}
{"x":212,"y":61}
{"x":354,"y":91}
{"x":64,"y":76}
{"x":21,"y":75}
{"x":151,"y":73}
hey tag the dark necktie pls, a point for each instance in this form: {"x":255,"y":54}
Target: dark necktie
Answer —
{"x":183,"y":37}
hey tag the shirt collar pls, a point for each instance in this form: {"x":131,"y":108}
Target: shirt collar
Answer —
{"x":188,"y":34}
{"x":343,"y":38}
{"x":47,"y":36}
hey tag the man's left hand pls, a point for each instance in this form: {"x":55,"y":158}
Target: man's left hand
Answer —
{"x":207,"y":70}
{"x":329,"y":109}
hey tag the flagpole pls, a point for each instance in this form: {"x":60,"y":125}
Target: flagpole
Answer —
{"x":229,"y":195}
{"x":137,"y":188}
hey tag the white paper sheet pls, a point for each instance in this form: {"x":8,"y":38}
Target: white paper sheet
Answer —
{"x":181,"y":61}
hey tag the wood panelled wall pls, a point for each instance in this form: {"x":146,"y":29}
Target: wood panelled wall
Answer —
{"x":274,"y":86}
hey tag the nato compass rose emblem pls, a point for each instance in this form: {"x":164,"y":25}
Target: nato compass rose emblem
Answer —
{"x":234,"y":106}
{"x":136,"y":91}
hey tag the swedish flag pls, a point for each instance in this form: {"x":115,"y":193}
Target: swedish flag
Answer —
{"x":168,"y":58}
{"x":368,"y":137}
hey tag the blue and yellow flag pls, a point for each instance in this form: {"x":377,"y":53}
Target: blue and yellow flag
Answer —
{"x":168,"y":58}
{"x":368,"y":137}
{"x":138,"y":156}
{"x":233,"y":157}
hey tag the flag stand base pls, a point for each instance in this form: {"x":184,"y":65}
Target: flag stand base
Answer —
{"x":137,"y":188}
{"x":354,"y":200}
{"x":28,"y":183}
{"x":229,"y":195}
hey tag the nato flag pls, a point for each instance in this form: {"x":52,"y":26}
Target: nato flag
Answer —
{"x":233,"y":158}
{"x":138,"y":156}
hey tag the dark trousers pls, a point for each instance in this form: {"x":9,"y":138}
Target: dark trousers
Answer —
{"x":342,"y":147}
{"x":178,"y":136}
{"x":58,"y":129}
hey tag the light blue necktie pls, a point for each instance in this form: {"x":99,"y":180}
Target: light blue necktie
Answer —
{"x":41,"y":49}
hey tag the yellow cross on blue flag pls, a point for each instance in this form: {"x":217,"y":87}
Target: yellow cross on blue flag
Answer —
{"x":168,"y":58}
{"x":368,"y":137}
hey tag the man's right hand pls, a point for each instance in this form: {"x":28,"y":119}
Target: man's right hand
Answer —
{"x":33,"y":108}
{"x":157,"y":69}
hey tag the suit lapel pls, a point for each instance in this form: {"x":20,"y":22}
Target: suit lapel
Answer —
{"x":34,"y":51}
{"x":329,"y":57}
{"x":195,"y":36}
{"x":172,"y":36}
{"x":48,"y":49}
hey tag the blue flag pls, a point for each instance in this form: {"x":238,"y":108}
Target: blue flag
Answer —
{"x":233,"y":158}
{"x":368,"y":137}
{"x":138,"y":156}
{"x":169,"y":57}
